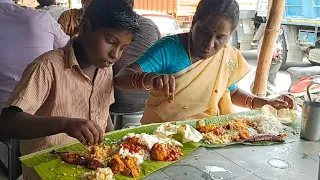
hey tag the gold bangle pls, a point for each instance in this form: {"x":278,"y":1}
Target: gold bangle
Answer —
{"x":139,"y":81}
{"x":249,"y":101}
{"x":133,"y":81}
{"x":143,"y":85}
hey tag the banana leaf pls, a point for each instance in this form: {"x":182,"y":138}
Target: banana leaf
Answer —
{"x":49,"y":167}
{"x":291,"y":130}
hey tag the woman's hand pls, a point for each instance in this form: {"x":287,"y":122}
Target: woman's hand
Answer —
{"x":86,"y":131}
{"x":283,"y":102}
{"x":166,"y":84}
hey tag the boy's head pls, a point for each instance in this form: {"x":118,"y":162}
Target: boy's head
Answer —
{"x":46,"y":2}
{"x":106,"y":29}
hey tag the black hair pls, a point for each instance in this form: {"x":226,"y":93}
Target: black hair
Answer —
{"x":130,"y":2}
{"x":210,"y":8}
{"x":112,"y":14}
{"x":46,"y":2}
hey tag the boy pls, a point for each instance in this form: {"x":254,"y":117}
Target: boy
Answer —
{"x":66,"y":93}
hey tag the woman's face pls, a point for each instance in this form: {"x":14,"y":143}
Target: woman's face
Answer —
{"x":104,"y":46}
{"x":209,"y":37}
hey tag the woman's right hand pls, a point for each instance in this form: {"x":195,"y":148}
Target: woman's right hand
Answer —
{"x":166,"y":84}
{"x":86,"y":131}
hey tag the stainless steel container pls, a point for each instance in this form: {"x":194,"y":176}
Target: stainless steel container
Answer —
{"x":310,"y":123}
{"x":319,"y":168}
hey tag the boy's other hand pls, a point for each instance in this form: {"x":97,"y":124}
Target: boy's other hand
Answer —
{"x":86,"y":131}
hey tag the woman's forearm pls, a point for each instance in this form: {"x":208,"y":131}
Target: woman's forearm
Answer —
{"x":125,"y":78}
{"x":239,"y":96}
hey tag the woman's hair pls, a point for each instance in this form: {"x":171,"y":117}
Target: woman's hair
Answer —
{"x":130,"y":2}
{"x":112,"y":14}
{"x":208,"y":9}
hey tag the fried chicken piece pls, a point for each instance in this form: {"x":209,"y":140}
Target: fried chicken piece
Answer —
{"x":116,"y":165}
{"x":133,"y":165}
{"x":126,"y":171}
{"x":93,"y":164}
{"x":163,"y":152}
{"x":71,"y":157}
{"x":127,"y":166}
{"x":208,"y":128}
{"x":159,"y":152}
{"x":200,"y":124}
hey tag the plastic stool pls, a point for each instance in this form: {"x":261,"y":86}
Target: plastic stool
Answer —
{"x":14,"y":165}
{"x":126,"y":120}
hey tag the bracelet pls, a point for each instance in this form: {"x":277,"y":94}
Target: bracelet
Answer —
{"x":134,"y":80}
{"x":249,"y":101}
{"x":143,"y":85}
{"x":138,"y":81}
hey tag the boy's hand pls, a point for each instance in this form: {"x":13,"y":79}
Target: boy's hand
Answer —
{"x":86,"y":131}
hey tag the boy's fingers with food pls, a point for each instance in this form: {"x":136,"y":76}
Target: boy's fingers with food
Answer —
{"x":84,"y":130}
{"x":100,"y":132}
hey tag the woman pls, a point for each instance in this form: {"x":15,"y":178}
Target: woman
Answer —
{"x":198,"y":70}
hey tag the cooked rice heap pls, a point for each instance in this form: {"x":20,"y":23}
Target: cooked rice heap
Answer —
{"x":99,"y":174}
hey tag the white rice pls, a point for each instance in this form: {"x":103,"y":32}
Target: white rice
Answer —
{"x":267,"y":124}
{"x":141,"y":156}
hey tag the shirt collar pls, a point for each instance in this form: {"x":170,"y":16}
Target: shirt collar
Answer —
{"x":71,"y":59}
{"x":7,"y":1}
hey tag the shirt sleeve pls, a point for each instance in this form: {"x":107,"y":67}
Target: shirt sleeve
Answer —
{"x":60,"y":38}
{"x":155,"y":59}
{"x":63,"y":21}
{"x":233,"y":87}
{"x":33,"y":88}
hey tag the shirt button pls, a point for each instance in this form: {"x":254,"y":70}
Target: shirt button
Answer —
{"x":92,"y":111}
{"x":216,"y":91}
{"x":184,"y":107}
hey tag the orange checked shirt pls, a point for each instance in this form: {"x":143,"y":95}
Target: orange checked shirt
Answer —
{"x":54,"y":85}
